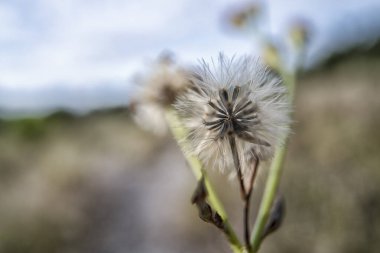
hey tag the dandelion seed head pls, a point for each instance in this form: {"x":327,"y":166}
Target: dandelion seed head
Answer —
{"x":156,"y":90}
{"x":238,"y":97}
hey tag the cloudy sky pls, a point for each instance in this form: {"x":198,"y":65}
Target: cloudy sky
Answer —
{"x":75,"y":52}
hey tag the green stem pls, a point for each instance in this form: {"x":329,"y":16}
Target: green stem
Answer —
{"x":268,"y":198}
{"x":274,"y":176}
{"x":196,"y":166}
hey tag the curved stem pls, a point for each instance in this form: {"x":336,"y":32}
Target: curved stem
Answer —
{"x":274,"y":176}
{"x":196,"y":166}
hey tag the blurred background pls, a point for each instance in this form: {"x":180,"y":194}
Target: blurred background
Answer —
{"x":78,"y":175}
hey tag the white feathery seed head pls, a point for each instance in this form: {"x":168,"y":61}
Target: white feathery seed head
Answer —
{"x":239,"y":98}
{"x":156,"y":90}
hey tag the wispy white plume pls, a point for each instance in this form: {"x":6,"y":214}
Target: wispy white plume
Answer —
{"x":239,"y":98}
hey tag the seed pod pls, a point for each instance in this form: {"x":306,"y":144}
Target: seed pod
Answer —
{"x":276,"y":217}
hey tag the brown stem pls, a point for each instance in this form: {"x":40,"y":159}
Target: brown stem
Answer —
{"x":247,"y":201}
{"x":245,"y":197}
{"x":235,"y":157}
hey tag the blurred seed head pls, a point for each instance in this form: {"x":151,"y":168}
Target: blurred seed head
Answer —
{"x":156,"y":90}
{"x":299,"y":33}
{"x":239,"y":97}
{"x":244,"y":17}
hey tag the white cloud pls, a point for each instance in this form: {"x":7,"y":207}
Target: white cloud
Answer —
{"x":67,"y":40}
{"x":47,"y":43}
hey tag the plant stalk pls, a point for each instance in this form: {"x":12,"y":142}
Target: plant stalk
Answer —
{"x":196,"y":166}
{"x":243,"y":193}
{"x":274,"y":176}
{"x":247,"y":204}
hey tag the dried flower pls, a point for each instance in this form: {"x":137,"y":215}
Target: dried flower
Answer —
{"x":234,"y":99}
{"x":157,"y":90}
